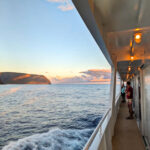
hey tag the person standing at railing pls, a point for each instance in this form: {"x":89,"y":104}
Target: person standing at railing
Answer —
{"x":123,"y":93}
{"x":129,"y":95}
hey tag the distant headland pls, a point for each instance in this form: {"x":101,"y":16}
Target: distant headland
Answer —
{"x":22,"y":78}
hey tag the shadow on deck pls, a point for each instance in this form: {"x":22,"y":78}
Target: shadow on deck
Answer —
{"x":126,"y":134}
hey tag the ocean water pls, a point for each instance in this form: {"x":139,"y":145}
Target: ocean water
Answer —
{"x":50,"y":117}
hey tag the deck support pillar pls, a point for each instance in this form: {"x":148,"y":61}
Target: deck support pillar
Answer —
{"x":113,"y":95}
{"x":110,"y":130}
{"x":113,"y":87}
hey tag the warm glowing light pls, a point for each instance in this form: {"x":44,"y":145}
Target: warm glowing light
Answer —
{"x":127,"y":76}
{"x":139,"y":68}
{"x":129,"y":68}
{"x":132,"y":58}
{"x":137,"y":37}
{"x":137,"y":29}
{"x":131,"y":43}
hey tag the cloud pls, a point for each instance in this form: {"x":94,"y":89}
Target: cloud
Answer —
{"x":99,"y":73}
{"x":64,"y":5}
{"x":68,"y":80}
{"x":100,"y":76}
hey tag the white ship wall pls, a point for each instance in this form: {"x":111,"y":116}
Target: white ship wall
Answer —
{"x":146,"y":102}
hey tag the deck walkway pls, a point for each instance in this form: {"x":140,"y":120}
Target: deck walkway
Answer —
{"x":126,"y":135}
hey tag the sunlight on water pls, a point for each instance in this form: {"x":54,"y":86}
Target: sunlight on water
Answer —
{"x":10,"y":91}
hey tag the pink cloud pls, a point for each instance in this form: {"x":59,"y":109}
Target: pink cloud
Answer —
{"x":99,"y":76}
{"x":99,"y":73}
{"x":75,"y":79}
{"x":64,"y":5}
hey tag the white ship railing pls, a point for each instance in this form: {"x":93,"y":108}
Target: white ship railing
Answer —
{"x":102,"y":135}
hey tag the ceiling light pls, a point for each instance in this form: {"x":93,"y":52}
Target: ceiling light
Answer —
{"x":132,"y":58}
{"x":129,"y":68}
{"x":137,"y":37}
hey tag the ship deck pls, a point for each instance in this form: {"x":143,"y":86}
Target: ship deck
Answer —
{"x":126,"y":133}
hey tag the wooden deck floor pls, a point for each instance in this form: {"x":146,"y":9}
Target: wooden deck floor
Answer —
{"x":126,"y":134}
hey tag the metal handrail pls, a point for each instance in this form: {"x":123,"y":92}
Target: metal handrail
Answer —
{"x":96,"y":130}
{"x":91,"y":139}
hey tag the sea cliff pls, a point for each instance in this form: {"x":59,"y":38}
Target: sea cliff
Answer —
{"x":22,"y":78}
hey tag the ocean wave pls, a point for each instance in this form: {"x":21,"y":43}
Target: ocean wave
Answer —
{"x":55,"y":139}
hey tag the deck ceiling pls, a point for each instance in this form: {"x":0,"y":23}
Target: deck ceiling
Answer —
{"x":117,"y":21}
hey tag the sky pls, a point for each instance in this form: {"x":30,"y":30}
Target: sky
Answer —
{"x":49,"y":37}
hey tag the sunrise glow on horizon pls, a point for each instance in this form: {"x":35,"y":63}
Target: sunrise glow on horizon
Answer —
{"x":49,"y":37}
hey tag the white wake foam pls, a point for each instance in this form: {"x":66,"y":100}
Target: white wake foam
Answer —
{"x":55,"y":139}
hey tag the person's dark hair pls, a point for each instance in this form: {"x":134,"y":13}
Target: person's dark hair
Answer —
{"x":128,"y":83}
